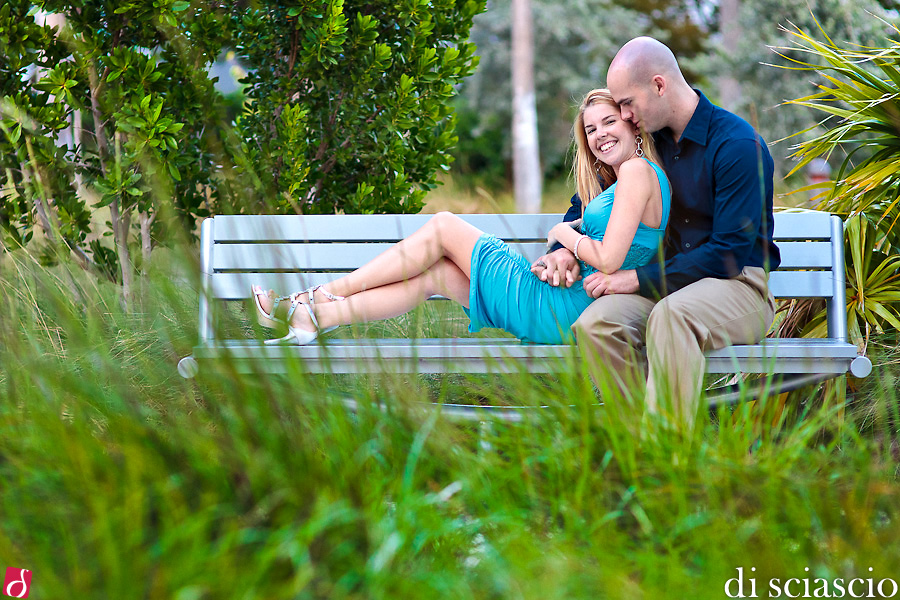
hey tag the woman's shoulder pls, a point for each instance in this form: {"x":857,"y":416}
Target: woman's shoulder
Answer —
{"x":637,"y":167}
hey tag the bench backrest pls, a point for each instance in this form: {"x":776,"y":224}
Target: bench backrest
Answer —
{"x":292,"y":252}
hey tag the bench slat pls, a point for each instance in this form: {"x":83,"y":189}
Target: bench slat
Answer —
{"x":801,"y":284}
{"x":324,"y":228}
{"x":333,"y":257}
{"x":480,"y":355}
{"x":802,"y":225}
{"x":361,"y":228}
{"x":805,"y":255}
{"x":234,"y":228}
{"x":339,"y":256}
{"x":236,"y":286}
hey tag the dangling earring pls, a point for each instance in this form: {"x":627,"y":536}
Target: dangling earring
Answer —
{"x":640,"y":146}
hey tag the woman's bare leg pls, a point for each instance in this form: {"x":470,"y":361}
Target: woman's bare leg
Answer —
{"x":444,"y":236}
{"x":444,"y":278}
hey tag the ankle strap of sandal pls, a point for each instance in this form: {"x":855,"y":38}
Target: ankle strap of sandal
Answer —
{"x":326,"y":293}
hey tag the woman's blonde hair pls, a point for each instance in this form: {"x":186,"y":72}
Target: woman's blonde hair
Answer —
{"x":591,"y":175}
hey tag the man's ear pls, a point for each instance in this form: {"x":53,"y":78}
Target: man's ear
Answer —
{"x":659,"y":84}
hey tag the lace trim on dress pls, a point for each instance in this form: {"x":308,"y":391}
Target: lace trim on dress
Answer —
{"x":637,"y":256}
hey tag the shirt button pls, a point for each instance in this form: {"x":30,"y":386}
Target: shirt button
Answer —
{"x":687,"y":245}
{"x":676,"y":158}
{"x":687,"y":220}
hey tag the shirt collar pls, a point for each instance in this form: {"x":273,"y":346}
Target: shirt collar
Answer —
{"x":697,"y":129}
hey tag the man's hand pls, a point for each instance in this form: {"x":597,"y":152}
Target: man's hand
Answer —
{"x":620,"y":282}
{"x":557,"y":268}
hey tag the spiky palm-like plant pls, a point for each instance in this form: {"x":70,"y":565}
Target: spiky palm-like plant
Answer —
{"x":860,"y":97}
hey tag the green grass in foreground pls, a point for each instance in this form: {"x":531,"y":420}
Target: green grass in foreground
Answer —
{"x":120,"y":480}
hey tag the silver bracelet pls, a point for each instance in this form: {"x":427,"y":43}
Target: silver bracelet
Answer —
{"x":575,"y":249}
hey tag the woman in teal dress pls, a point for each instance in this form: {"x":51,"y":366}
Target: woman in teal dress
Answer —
{"x":622,"y":228}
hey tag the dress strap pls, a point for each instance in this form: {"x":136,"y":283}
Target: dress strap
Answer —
{"x":665,"y":190}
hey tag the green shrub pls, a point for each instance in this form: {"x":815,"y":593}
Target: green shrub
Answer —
{"x":107,"y":114}
{"x":113,"y":139}
{"x":348,"y":101}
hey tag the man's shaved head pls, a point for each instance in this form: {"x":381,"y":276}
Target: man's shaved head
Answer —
{"x":646,"y":82}
{"x":644,"y":57}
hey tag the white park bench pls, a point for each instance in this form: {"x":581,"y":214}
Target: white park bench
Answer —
{"x":290,"y":253}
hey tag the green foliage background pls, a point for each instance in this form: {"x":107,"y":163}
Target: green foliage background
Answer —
{"x":577,"y":39}
{"x":349,"y":101}
{"x":110,"y":115}
{"x":858,"y":98}
{"x":149,"y":115}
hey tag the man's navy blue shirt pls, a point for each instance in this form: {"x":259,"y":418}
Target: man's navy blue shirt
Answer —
{"x":721,"y":219}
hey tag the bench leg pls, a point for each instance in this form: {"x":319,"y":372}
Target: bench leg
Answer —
{"x":485,"y":430}
{"x":188,"y":367}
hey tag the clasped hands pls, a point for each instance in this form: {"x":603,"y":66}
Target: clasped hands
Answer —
{"x":561,"y":268}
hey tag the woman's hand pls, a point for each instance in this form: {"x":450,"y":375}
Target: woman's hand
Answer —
{"x":562,"y":230}
{"x":558,"y":230}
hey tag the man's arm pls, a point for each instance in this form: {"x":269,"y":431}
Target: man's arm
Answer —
{"x":572,"y":214}
{"x":621,"y":282}
{"x":743,"y":178}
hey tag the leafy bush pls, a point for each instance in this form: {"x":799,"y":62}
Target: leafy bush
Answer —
{"x":348,"y":101}
{"x":108,"y":112}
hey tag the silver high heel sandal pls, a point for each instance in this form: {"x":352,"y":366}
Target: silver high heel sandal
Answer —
{"x":296,"y":336}
{"x":268,"y":319}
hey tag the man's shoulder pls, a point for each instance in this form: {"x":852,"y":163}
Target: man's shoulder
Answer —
{"x":734,"y":144}
{"x":726,"y":125}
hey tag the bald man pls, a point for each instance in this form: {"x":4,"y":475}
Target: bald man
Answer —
{"x":710,"y":289}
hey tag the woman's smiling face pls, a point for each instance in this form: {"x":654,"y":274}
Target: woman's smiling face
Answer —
{"x":610,"y":138}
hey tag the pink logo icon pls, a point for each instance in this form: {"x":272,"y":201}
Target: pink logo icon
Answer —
{"x":17,"y":583}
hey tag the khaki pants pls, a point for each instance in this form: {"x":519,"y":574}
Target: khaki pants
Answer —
{"x":624,"y":334}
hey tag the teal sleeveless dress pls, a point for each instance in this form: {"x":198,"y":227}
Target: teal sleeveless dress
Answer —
{"x":505,"y":294}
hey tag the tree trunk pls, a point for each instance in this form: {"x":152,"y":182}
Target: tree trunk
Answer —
{"x":146,"y":241}
{"x":121,"y":224}
{"x":45,"y":216}
{"x":120,"y":218}
{"x":76,"y":143}
{"x":731,"y":32}
{"x":526,"y":158}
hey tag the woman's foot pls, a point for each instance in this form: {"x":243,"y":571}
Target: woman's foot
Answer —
{"x":303,"y":327}
{"x":268,"y":306}
{"x":267,"y":301}
{"x":304,"y":318}
{"x":302,"y":324}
